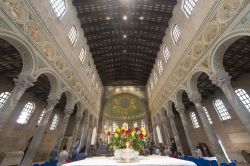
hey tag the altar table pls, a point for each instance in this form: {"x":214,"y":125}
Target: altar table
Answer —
{"x":153,"y":160}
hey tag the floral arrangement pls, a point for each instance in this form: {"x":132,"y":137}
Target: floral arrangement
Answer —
{"x":126,"y":138}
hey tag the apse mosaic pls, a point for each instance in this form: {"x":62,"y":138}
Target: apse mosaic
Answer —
{"x":124,"y":107}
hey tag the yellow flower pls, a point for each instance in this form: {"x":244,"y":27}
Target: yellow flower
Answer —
{"x":133,"y":133}
{"x":144,"y":133}
{"x":142,"y":129}
{"x":118,"y":129}
{"x":116,"y":135}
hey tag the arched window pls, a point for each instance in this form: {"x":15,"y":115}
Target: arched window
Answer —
{"x":59,"y":7}
{"x":221,"y":110}
{"x":26,"y":113}
{"x":151,"y":84}
{"x":148,"y":91}
{"x":40,"y":117}
{"x":54,"y":122}
{"x":82,"y":55}
{"x":158,"y":132}
{"x":88,"y":68}
{"x":143,"y":124}
{"x":155,"y":77}
{"x":72,"y":35}
{"x":188,"y":6}
{"x":166,"y":53}
{"x":208,"y":116}
{"x":3,"y":97}
{"x":125,"y":125}
{"x":194,"y":120}
{"x":135,"y":124}
{"x":93,"y":78}
{"x":244,"y":97}
{"x":160,"y":67}
{"x":114,"y":127}
{"x":175,"y":33}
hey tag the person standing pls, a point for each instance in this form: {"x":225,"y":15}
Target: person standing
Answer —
{"x":53,"y":154}
{"x":63,"y":156}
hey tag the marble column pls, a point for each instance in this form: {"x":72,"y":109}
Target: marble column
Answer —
{"x":155,"y":136}
{"x":175,"y":133}
{"x":84,"y":129}
{"x":184,"y":121}
{"x":21,"y":85}
{"x":163,"y":135}
{"x":40,"y":130}
{"x":67,"y":113}
{"x":165,"y":127}
{"x":222,"y":80}
{"x":89,"y":137}
{"x":216,"y":149}
{"x":75,"y":131}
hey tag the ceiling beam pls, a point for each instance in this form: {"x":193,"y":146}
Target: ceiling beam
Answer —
{"x":124,"y":47}
{"x":106,"y":24}
{"x":131,"y":37}
{"x":103,"y":2}
{"x":120,"y":32}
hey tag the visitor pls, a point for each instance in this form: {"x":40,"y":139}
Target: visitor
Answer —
{"x":63,"y":157}
{"x":157,"y":150}
{"x":198,"y":152}
{"x":53,"y":154}
{"x":151,"y":148}
{"x":81,"y":155}
{"x":163,"y":151}
{"x":175,"y":154}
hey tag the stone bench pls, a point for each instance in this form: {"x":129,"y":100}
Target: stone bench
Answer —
{"x":10,"y":158}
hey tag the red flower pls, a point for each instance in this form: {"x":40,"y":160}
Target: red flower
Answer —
{"x":123,"y":131}
{"x":140,"y":136}
{"x":137,"y":129}
{"x":127,"y":132}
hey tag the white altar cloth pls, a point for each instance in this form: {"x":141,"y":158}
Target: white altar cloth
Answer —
{"x":144,"y":161}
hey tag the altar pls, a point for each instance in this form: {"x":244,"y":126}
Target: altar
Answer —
{"x":153,"y":160}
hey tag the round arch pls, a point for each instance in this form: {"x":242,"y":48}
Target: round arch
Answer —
{"x":26,"y":52}
{"x":193,"y":78}
{"x":53,"y":78}
{"x":216,"y":59}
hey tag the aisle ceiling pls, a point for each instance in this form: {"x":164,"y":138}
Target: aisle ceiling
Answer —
{"x":124,"y":36}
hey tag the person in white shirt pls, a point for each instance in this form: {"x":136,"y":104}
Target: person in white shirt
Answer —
{"x":63,"y":156}
{"x":198,"y":152}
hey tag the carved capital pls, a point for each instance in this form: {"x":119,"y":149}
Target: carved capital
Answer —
{"x":195,"y":97}
{"x":24,"y":82}
{"x":170,"y":114}
{"x":220,"y":78}
{"x":68,"y":111}
{"x":78,"y":118}
{"x":52,"y":101}
{"x":181,"y":109}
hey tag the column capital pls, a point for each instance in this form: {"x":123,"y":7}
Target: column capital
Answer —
{"x":52,"y":101}
{"x":78,"y":118}
{"x":180,"y":108}
{"x":24,"y":82}
{"x":170,"y":114}
{"x":220,"y":78}
{"x":195,"y":97}
{"x":68,"y":111}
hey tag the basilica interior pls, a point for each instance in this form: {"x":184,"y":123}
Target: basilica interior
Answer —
{"x":74,"y":70}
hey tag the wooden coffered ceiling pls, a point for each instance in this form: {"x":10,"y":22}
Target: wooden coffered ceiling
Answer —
{"x":120,"y":60}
